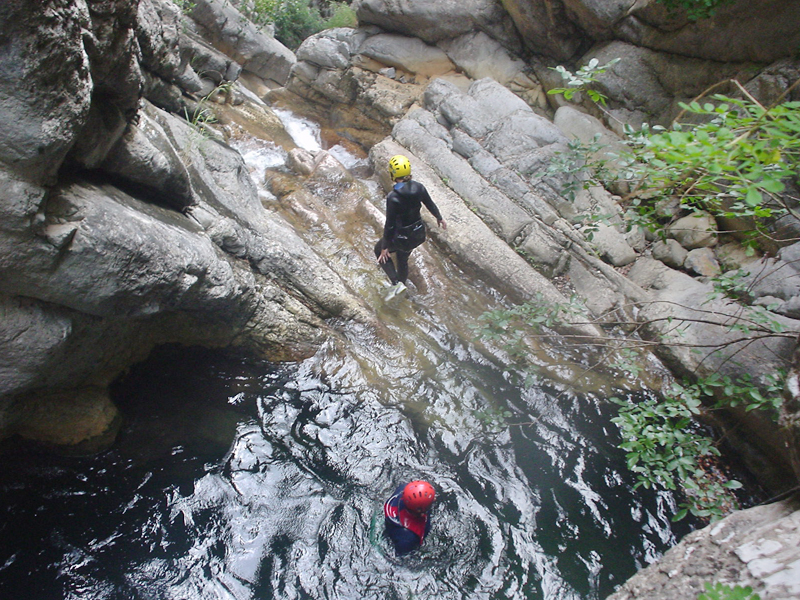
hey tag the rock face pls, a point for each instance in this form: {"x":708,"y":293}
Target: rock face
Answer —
{"x":755,"y":547}
{"x":49,"y":99}
{"x":124,"y":226}
{"x":235,"y":36}
{"x":740,"y":32}
{"x":437,"y":21}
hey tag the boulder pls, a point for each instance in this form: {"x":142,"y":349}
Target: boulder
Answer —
{"x":45,"y":89}
{"x":791,"y":255}
{"x":433,"y":22}
{"x":543,"y":252}
{"x":85,"y":420}
{"x":204,"y":62}
{"x":698,"y":230}
{"x":480,"y":57}
{"x":117,"y":80}
{"x":775,"y":81}
{"x":234,"y":35}
{"x":772,"y":277}
{"x":687,"y":298}
{"x":732,"y":255}
{"x":546,"y":28}
{"x":593,"y":289}
{"x":703,"y":262}
{"x":158,"y":34}
{"x":499,"y":100}
{"x":387,"y":99}
{"x":611,"y":245}
{"x":739,"y":31}
{"x":324,"y":52}
{"x":670,"y":252}
{"x":756,"y":547}
{"x":32,"y":333}
{"x":408,"y":53}
{"x":145,"y":157}
{"x":654,"y":82}
{"x":588,"y":130}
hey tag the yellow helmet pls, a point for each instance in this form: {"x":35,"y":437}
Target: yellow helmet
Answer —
{"x":399,"y":166}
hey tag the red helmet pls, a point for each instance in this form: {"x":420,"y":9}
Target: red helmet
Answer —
{"x":418,"y":496}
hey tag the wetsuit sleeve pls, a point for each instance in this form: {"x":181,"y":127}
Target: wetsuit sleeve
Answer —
{"x":426,"y":199}
{"x":390,"y":225}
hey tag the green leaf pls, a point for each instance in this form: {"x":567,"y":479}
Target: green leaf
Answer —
{"x":680,"y":515}
{"x":773,"y":186}
{"x":753,"y":197}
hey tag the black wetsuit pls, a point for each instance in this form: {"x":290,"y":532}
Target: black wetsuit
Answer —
{"x":404,"y":229}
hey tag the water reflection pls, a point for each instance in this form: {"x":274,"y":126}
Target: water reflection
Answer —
{"x":291,"y":508}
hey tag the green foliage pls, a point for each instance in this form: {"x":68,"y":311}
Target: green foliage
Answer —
{"x":734,"y":164}
{"x":664,"y":448}
{"x":341,"y":15}
{"x":663,"y":444}
{"x":494,"y":419}
{"x":744,"y":391}
{"x":200,"y":119}
{"x":695,"y":9}
{"x":532,"y":316}
{"x":658,"y":440}
{"x":186,"y":6}
{"x":720,"y":591}
{"x":203,"y":115}
{"x":294,"y":20}
{"x":629,"y":361}
{"x":731,"y":284}
{"x":581,"y":80}
{"x":511,"y":327}
{"x":577,"y":163}
{"x":733,"y":159}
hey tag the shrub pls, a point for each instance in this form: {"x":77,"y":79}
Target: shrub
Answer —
{"x":341,"y":15}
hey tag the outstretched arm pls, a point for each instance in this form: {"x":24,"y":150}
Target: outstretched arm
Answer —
{"x":431,"y":206}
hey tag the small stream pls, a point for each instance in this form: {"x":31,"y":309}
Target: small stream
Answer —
{"x":235,"y":478}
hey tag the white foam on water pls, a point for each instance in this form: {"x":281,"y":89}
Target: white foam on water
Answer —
{"x":259,"y":156}
{"x":304,"y":132}
{"x":347,"y":158}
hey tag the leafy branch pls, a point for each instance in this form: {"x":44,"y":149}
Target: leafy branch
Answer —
{"x":582,"y":80}
{"x":721,"y":591}
{"x":664,"y":446}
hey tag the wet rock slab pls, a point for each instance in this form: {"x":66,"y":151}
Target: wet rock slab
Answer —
{"x":755,"y":547}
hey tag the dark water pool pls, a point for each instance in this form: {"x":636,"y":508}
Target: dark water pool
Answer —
{"x":238,"y":479}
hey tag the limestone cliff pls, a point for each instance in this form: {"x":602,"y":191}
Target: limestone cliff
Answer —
{"x":123,"y":225}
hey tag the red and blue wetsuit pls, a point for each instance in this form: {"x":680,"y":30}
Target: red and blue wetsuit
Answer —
{"x":406,"y":529}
